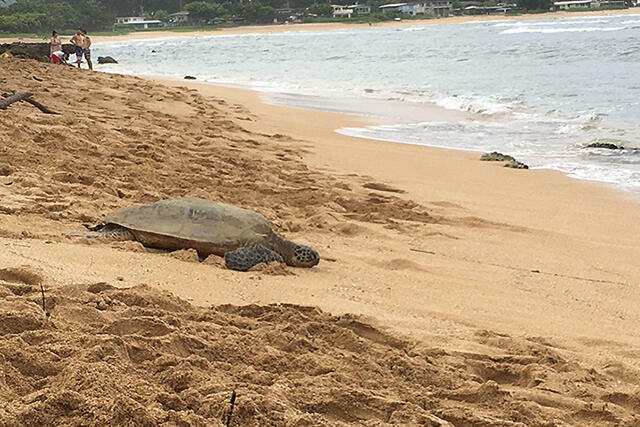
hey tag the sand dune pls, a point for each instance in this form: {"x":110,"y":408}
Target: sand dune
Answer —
{"x":435,"y":302}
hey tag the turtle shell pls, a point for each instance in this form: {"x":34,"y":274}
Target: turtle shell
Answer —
{"x":193,"y":222}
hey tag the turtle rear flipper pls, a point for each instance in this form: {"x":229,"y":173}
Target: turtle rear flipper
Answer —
{"x":246,"y":258}
{"x":109,"y":231}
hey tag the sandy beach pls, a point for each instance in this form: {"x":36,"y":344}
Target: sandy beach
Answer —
{"x":450,"y":292}
{"x":329,"y":26}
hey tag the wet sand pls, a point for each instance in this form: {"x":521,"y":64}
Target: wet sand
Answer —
{"x":518,"y":288}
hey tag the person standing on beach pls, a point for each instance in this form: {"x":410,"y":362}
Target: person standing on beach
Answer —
{"x":87,"y":49}
{"x":78,"y":41}
{"x":56,"y":44}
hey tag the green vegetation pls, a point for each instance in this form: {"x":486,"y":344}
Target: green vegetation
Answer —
{"x":534,"y":6}
{"x":203,"y":11}
{"x":320,"y":9}
{"x":28,"y":17}
{"x":40,"y":16}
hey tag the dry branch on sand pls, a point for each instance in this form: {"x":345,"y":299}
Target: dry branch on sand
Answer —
{"x":10,"y":98}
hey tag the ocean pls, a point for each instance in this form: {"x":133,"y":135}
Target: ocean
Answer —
{"x":540,"y":90}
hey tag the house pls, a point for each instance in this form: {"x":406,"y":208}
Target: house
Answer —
{"x":360,"y":9}
{"x":405,"y":8}
{"x":138,"y":23}
{"x":486,"y":10}
{"x":609,"y":3}
{"x":340,"y":11}
{"x":563,"y":5}
{"x":439,"y":8}
{"x":6,"y":3}
{"x":179,"y":18}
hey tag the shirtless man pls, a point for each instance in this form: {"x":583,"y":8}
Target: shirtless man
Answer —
{"x":78,"y":41}
{"x":87,"y":49}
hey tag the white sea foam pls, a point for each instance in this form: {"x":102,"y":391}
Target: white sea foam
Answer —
{"x":555,"y":22}
{"x":561,"y":30}
{"x":478,"y":105}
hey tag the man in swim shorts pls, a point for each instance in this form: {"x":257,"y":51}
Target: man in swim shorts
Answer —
{"x":87,"y":49}
{"x":78,"y":41}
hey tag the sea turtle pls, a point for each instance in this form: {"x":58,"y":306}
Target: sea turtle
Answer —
{"x":243,"y":237}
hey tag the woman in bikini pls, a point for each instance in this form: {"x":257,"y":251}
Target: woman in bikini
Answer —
{"x":56,"y":45}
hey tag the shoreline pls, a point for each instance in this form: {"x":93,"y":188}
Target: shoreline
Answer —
{"x":332,"y":26}
{"x":334,"y":121}
{"x":347,"y":120}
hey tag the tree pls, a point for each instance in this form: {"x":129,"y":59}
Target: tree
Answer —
{"x":534,"y":4}
{"x":320,"y":9}
{"x":37,"y":16}
{"x":300,"y":4}
{"x":257,"y":13}
{"x":203,"y":11}
{"x":161,"y":15}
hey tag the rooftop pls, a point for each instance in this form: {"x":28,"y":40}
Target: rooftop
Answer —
{"x":392,"y":5}
{"x":151,"y":21}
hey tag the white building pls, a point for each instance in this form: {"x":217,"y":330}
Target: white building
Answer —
{"x":179,"y":18}
{"x":429,"y":7}
{"x":360,"y":9}
{"x":5,"y":3}
{"x":340,"y":11}
{"x":440,"y":8}
{"x":138,"y":22}
{"x":591,"y":4}
{"x":406,"y":8}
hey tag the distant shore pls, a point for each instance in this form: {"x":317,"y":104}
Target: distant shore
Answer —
{"x":329,"y":26}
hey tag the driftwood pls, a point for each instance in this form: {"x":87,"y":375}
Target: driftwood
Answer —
{"x":13,"y":98}
{"x":26,"y":97}
{"x":40,"y":107}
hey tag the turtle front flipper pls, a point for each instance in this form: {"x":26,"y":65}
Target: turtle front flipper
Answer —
{"x":245,"y":258}
{"x":109,"y":231}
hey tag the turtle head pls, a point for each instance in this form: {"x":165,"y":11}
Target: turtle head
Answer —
{"x":293,"y":254}
{"x":304,"y":256}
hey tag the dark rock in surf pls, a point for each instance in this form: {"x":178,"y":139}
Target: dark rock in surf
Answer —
{"x":510,"y":161}
{"x":106,"y":60}
{"x":496,"y":157}
{"x":189,"y":78}
{"x":515,"y":165}
{"x":605,"y":145}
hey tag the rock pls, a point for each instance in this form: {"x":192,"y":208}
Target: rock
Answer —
{"x":511,"y":162}
{"x":605,"y":145}
{"x":496,"y":157}
{"x":189,"y":78}
{"x":106,"y":60}
{"x":37,"y":51}
{"x":515,"y":165}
